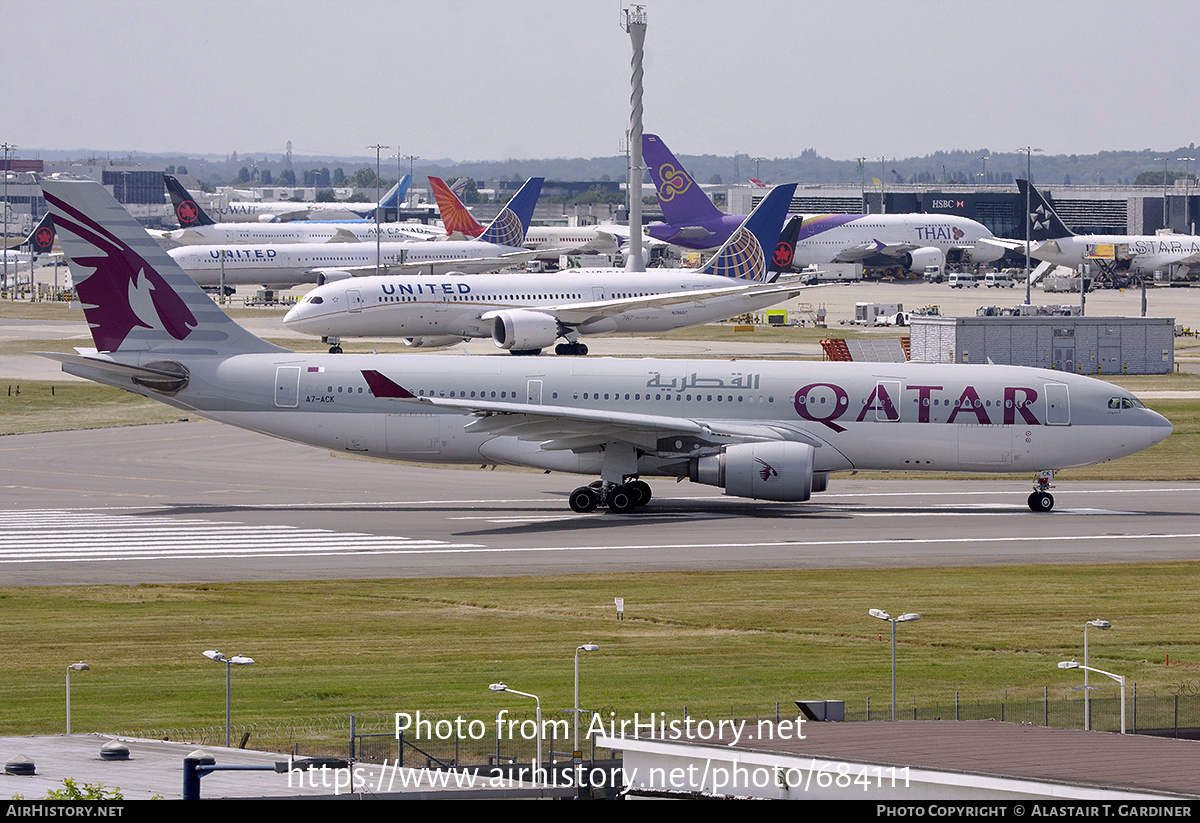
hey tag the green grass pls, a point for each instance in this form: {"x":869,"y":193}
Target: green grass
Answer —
{"x":716,"y":642}
{"x":44,"y":406}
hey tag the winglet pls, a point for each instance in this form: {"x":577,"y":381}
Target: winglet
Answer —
{"x":187,"y":210}
{"x":385,"y":387}
{"x":511,"y":224}
{"x":455,"y":217}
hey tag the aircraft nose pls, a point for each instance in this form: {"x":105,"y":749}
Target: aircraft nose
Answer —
{"x":1160,"y":426}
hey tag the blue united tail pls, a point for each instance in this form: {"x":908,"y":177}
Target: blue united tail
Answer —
{"x":747,"y":253}
{"x":511,"y":224}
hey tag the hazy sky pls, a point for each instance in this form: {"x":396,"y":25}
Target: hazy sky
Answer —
{"x":487,"y":80}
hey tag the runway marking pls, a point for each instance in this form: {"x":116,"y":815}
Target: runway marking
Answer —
{"x":65,"y":536}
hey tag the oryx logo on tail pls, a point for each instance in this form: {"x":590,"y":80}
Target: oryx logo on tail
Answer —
{"x":123,"y":292}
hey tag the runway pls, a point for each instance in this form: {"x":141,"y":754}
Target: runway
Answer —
{"x":198,"y":502}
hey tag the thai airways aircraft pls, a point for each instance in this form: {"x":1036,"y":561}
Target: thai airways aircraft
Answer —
{"x":770,"y":430}
{"x":286,"y":265}
{"x":912,"y":241}
{"x":1055,"y":243}
{"x":198,"y":228}
{"x":456,"y":219}
{"x":524,"y":313}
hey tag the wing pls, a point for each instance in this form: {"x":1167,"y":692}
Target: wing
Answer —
{"x":576,"y":314}
{"x":567,"y":428}
{"x":859,"y":252}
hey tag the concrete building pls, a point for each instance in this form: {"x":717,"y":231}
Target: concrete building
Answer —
{"x":1085,"y":345}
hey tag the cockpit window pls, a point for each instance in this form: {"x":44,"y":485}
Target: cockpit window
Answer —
{"x":316,"y":300}
{"x":1125,"y":403}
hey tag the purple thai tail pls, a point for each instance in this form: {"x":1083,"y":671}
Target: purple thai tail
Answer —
{"x":679,"y":195}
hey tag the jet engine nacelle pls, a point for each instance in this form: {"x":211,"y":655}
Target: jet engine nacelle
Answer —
{"x":439,"y":341}
{"x":917,"y":259}
{"x":763,"y":471}
{"x":332,"y":276}
{"x":524,"y":330}
{"x":268,"y":218}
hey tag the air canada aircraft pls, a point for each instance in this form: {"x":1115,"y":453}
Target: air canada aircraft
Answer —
{"x":912,"y":241}
{"x":286,"y":265}
{"x":1057,"y":244}
{"x":770,"y":430}
{"x":39,"y":241}
{"x":198,"y":228}
{"x":524,"y":313}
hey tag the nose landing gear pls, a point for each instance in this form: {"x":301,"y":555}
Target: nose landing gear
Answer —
{"x":1041,"y":500}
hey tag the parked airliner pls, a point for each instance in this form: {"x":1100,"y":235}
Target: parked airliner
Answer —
{"x":286,"y":265}
{"x":39,"y":241}
{"x":771,"y":430}
{"x":1057,"y":244}
{"x":198,"y":228}
{"x":524,"y":313}
{"x":602,"y":239}
{"x":911,"y":241}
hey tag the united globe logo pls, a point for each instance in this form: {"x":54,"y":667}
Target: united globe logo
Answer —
{"x":506,"y":229}
{"x":742,"y":257}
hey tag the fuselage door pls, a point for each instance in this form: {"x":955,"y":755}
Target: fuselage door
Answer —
{"x":533,"y":393}
{"x":354,"y":301}
{"x":1058,"y":405}
{"x":287,"y":387}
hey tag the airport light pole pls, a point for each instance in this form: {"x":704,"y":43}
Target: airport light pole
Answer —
{"x":634,"y":22}
{"x":236,"y":660}
{"x":586,"y":647}
{"x":378,"y":253}
{"x":410,"y":158}
{"x":1087,"y":705}
{"x":983,"y":174}
{"x":1029,"y":152}
{"x":8,"y":147}
{"x":1164,"y":162}
{"x":1187,"y":188}
{"x":904,"y":618}
{"x":496,"y":688}
{"x":74,"y":667}
{"x":1071,"y":664}
{"x":757,"y":173}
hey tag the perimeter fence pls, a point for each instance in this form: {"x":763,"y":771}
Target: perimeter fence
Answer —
{"x":457,"y":740}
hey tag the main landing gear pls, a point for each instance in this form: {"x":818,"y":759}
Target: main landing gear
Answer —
{"x":1042,"y":500}
{"x":334,"y":343}
{"x":571,"y":349}
{"x":621,"y":498}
